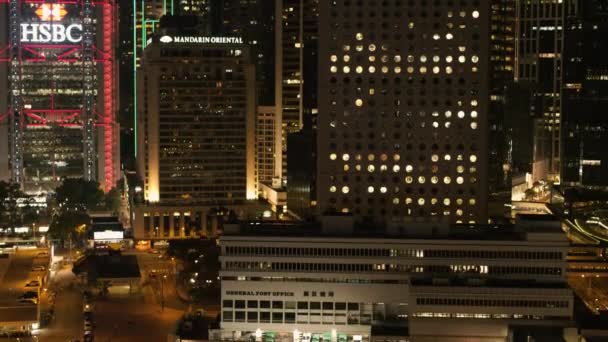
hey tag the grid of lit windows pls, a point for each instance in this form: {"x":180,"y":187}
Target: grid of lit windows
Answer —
{"x":404,"y":108}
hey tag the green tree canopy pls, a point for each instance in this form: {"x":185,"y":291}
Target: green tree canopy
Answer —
{"x":80,"y":195}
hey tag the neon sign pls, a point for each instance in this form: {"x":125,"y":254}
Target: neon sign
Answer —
{"x":201,"y":40}
{"x":48,"y":31}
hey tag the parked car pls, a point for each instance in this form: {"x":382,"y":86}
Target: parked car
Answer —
{"x":33,"y":283}
{"x":88,"y":326}
{"x":29,"y":300}
{"x":38,"y":268}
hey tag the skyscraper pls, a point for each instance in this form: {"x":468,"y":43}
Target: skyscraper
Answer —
{"x":403,"y":110}
{"x":585,"y":94}
{"x":197,"y":125}
{"x":297,"y":25}
{"x":254,"y":21}
{"x":145,"y":21}
{"x":58,"y":101}
{"x":502,"y":60}
{"x":539,"y":56}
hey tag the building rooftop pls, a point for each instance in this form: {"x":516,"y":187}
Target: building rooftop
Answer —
{"x":339,"y":226}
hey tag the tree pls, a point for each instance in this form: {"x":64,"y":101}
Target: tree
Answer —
{"x":79,"y":194}
{"x":113,"y":201}
{"x":68,"y":224}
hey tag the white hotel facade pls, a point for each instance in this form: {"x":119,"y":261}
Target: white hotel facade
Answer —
{"x":313,"y":284}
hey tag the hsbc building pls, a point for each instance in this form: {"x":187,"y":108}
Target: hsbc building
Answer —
{"x":58,"y":93}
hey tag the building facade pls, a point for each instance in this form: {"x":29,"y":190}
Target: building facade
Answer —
{"x":196,"y":122}
{"x":540,"y":39}
{"x":301,"y":284}
{"x":265,"y":147}
{"x":403,"y":110}
{"x":585,"y":94}
{"x":502,"y":68}
{"x":296,"y":37}
{"x":254,"y":21}
{"x":58,"y":93}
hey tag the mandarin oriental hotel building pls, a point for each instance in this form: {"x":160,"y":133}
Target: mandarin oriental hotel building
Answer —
{"x":309,"y":283}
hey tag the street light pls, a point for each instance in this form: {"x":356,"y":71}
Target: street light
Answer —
{"x":162,"y":292}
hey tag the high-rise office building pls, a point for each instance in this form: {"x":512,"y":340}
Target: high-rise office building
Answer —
{"x":539,"y":48}
{"x":254,"y":21}
{"x":145,"y":21}
{"x":297,"y":26}
{"x":197,"y":125}
{"x":58,"y":93}
{"x":500,"y":130}
{"x":585,"y":94}
{"x":403,"y":110}
{"x":265,"y":147}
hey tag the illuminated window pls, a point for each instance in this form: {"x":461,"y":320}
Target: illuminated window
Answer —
{"x":333,"y":69}
{"x":449,"y":36}
{"x":409,"y":168}
{"x":333,"y":156}
{"x":396,"y":168}
{"x":421,"y":180}
{"x":383,"y":189}
{"x":372,"y":47}
{"x":459,"y":180}
{"x":371,"y":168}
{"x":475,"y":14}
{"x":421,"y":201}
{"x":473,"y":158}
{"x":346,"y":58}
{"x":446,"y":201}
{"x":346,"y":157}
{"x":462,"y":59}
{"x":358,"y":102}
{"x":370,"y":189}
{"x":346,"y":69}
{"x":334,"y":58}
{"x":345,"y":190}
{"x":474,"y":114}
{"x":332,"y":188}
{"x":359,"y":36}
{"x":409,"y":179}
{"x":447,"y":180}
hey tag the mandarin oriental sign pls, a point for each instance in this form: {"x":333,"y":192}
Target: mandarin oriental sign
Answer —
{"x":201,"y":40}
{"x":49,"y":29}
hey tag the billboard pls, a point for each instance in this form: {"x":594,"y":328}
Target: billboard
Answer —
{"x":46,"y":24}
